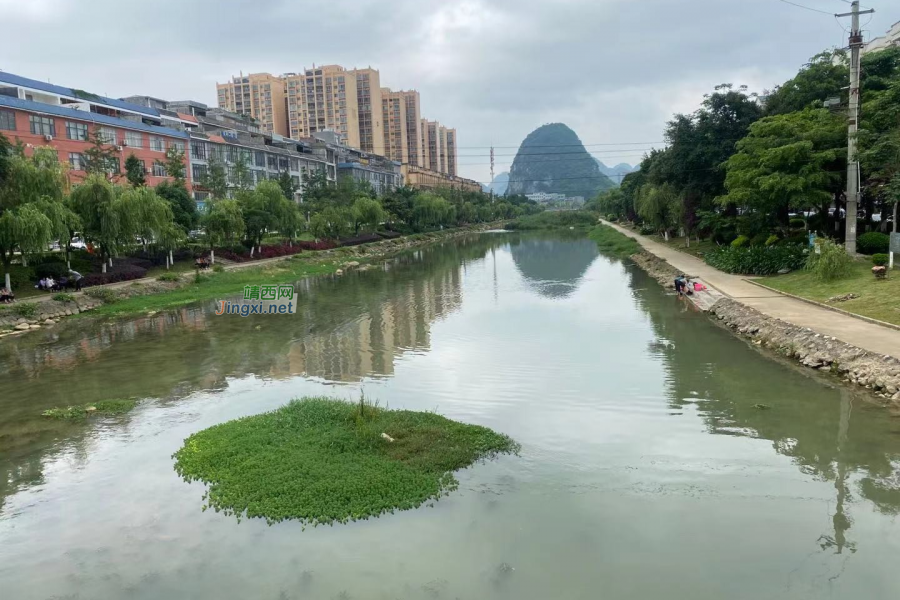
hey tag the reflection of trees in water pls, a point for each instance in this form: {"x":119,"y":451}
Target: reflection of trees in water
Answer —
{"x":827,"y":432}
{"x":552,"y":264}
{"x":346,"y":328}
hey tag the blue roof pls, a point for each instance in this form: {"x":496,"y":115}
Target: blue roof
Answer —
{"x":64,"y":91}
{"x":83,"y":115}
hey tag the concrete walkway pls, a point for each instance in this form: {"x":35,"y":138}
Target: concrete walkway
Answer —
{"x":865,"y":335}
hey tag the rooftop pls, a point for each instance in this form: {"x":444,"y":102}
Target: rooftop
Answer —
{"x":83,"y":115}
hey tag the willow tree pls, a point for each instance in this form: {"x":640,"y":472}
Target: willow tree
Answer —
{"x":143,"y":214}
{"x":98,"y":206}
{"x":31,"y":203}
{"x":168,"y":238}
{"x":223,"y":222}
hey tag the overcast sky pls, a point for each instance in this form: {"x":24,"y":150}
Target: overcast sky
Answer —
{"x":613,"y":70}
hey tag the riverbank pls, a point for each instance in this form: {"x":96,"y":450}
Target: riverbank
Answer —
{"x":855,"y":351}
{"x":152,"y":295}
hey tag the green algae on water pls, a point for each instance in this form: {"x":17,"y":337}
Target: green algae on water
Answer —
{"x":320,"y":461}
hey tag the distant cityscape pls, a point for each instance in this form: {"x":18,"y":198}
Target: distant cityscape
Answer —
{"x":326,"y":120}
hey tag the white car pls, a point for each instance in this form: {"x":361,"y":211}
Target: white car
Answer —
{"x":77,"y":244}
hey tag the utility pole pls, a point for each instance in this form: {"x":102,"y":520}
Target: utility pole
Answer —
{"x":856,"y":44}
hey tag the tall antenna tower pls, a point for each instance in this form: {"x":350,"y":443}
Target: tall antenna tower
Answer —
{"x":492,"y":174}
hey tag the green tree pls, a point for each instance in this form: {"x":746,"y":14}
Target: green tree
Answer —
{"x":215,"y":179}
{"x":367,"y":214}
{"x":170,"y":237}
{"x":97,"y":204}
{"x":101,"y":158}
{"x":174,"y":164}
{"x":823,"y":77}
{"x":143,"y":214}
{"x":790,"y":161}
{"x":31,"y":203}
{"x":134,"y":171}
{"x":242,"y":177}
{"x":287,"y":185}
{"x":184,"y":208}
{"x":659,"y":206}
{"x":224,"y":222}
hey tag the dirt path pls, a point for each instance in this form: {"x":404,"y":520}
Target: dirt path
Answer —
{"x":863,"y":334}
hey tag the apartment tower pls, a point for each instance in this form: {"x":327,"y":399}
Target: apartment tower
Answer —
{"x":414,"y":146}
{"x":451,"y":152}
{"x":323,"y":98}
{"x":368,"y":99}
{"x":394,"y":121}
{"x":258,"y":95}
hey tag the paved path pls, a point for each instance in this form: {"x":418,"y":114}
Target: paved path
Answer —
{"x":869,"y":336}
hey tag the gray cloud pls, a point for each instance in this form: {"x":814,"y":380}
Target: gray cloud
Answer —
{"x":613,"y":70}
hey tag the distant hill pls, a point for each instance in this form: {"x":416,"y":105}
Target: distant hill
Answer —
{"x":499,"y":185}
{"x":617,"y":172}
{"x":552,"y":159}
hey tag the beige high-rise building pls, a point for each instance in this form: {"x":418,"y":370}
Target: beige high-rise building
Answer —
{"x":258,"y":95}
{"x":414,"y":145}
{"x":323,"y":98}
{"x":435,"y":136}
{"x":451,"y":152}
{"x":368,"y":99}
{"x":394,"y":121}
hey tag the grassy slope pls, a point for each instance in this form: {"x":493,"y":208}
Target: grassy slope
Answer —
{"x":877,"y":299}
{"x":319,"y":460}
{"x":216,"y":285}
{"x":612,"y":242}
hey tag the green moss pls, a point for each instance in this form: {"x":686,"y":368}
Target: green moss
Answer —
{"x":82,"y":411}
{"x":613,"y":242}
{"x":318,"y":461}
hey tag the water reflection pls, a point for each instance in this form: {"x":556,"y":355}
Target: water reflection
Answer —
{"x":554,"y":263}
{"x":347,"y":328}
{"x":839,"y":438}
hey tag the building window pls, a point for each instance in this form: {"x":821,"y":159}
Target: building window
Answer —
{"x":260,"y":159}
{"x":42,"y":125}
{"x":76,"y":161}
{"x":156,"y":144}
{"x":76,"y":131}
{"x":134,"y":139}
{"x":159,"y":169}
{"x":113,"y":166}
{"x":199,"y":172}
{"x":7,"y":120}
{"x":198,"y":150}
{"x":179,"y":146}
{"x":108,"y":136}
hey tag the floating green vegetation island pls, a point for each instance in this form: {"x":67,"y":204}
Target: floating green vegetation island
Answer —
{"x":319,"y":460}
{"x":83,"y":411}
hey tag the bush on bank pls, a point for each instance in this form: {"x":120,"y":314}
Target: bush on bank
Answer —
{"x":318,"y":460}
{"x":757,"y":260}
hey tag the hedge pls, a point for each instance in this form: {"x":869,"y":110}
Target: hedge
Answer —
{"x":757,"y":260}
{"x":873,"y":243}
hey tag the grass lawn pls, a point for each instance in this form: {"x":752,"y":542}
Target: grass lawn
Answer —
{"x":696,"y":248}
{"x":318,"y":460}
{"x":613,"y":242}
{"x":878,"y":299}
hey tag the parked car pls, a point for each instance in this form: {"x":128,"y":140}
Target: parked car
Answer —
{"x":77,"y":244}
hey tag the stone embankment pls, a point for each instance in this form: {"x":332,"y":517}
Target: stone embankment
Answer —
{"x":878,"y":373}
{"x":43,"y":314}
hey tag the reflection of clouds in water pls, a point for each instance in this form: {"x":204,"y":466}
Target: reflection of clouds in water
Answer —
{"x":553,"y":267}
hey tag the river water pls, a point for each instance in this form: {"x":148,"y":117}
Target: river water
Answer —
{"x":648,"y":468}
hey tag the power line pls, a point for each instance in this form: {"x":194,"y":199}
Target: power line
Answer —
{"x":806,"y":7}
{"x":556,"y":153}
{"x":561,"y":145}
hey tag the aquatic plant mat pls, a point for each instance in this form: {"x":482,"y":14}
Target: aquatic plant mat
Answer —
{"x":319,"y":460}
{"x":83,"y":411}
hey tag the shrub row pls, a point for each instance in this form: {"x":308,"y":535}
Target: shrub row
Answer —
{"x":119,"y":272}
{"x":873,"y":242}
{"x":757,"y":260}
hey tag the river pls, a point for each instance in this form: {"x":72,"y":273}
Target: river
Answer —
{"x":661,"y":456}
